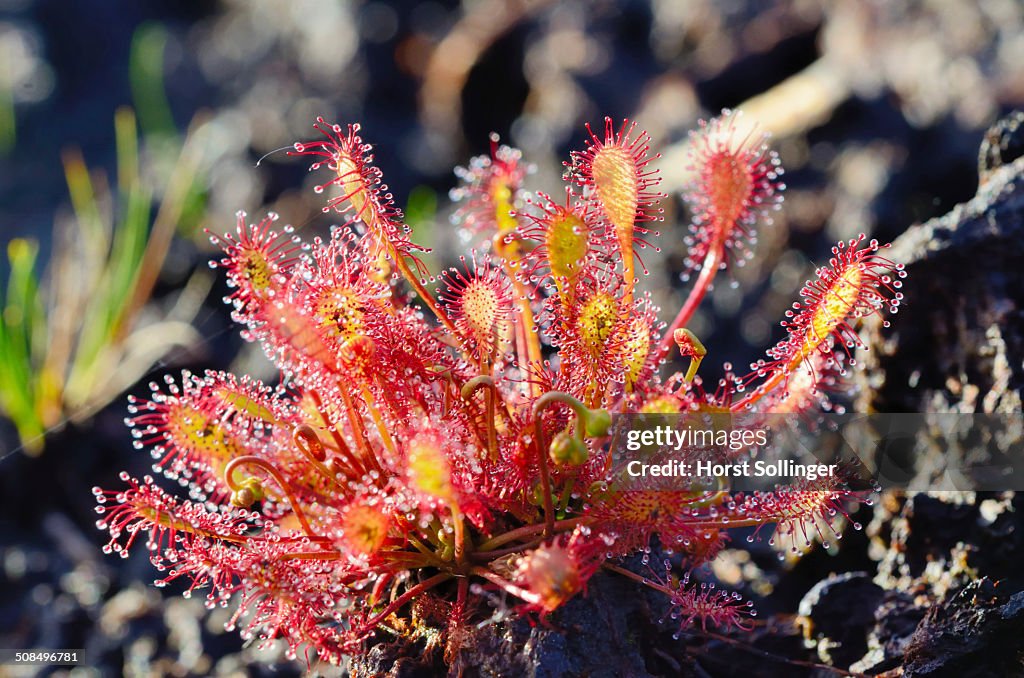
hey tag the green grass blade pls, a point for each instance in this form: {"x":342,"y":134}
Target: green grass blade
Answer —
{"x":133,"y":229}
{"x":127,"y":143}
{"x":115,"y":285}
{"x":8,"y":121}
{"x":23,"y":324}
{"x":146,"y":72}
{"x":421,"y":215}
{"x":95,"y":235}
{"x":23,"y":303}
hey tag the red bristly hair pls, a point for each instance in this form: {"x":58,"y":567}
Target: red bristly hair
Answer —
{"x":737,"y":184}
{"x":415,"y":459}
{"x":614,"y":171}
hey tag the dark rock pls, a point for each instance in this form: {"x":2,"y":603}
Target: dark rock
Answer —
{"x":611,"y":631}
{"x":977,"y":632}
{"x":618,"y":628}
{"x":835,"y":614}
{"x":850,"y":553}
{"x":767,"y":651}
{"x":393,"y":660}
{"x":934,"y":547}
{"x":896,"y":619}
{"x":927,"y":531}
{"x":950,"y":561}
{"x":965,"y":533}
{"x":958,"y":345}
{"x":1003,"y":143}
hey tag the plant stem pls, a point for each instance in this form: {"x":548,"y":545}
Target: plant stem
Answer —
{"x":459,"y":612}
{"x":636,"y":577}
{"x":487,"y":556}
{"x":306,"y":439}
{"x":628,"y":275}
{"x":343,"y":448}
{"x":507,"y":586}
{"x":401,"y":600}
{"x":460,"y":535}
{"x":357,"y":429}
{"x":252,"y":460}
{"x":707,"y":273}
{"x":530,"y":531}
{"x":531,"y":337}
{"x":492,"y":432}
{"x":780,"y":375}
{"x":312,"y":555}
{"x":545,"y":475}
{"x":414,"y":281}
{"x":378,"y":420}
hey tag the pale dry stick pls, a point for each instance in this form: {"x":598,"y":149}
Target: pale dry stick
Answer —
{"x":165,"y":224}
{"x":143,"y":347}
{"x":80,"y":251}
{"x":796,"y":104}
{"x":453,"y":58}
{"x":79,"y":383}
{"x":139,"y":351}
{"x":67,"y":293}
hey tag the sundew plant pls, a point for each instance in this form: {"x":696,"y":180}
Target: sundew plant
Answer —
{"x":429,"y":449}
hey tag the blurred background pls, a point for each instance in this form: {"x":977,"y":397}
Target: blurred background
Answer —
{"x":126,"y":128}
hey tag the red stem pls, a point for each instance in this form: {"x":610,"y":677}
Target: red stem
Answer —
{"x":507,"y":586}
{"x":545,"y":475}
{"x":707,"y":273}
{"x":529,"y":531}
{"x":487,"y":556}
{"x":343,"y":448}
{"x":252,"y":460}
{"x":781,"y":374}
{"x":306,"y":440}
{"x":401,"y":600}
{"x":425,"y":296}
{"x":636,"y":577}
{"x":355,"y":418}
{"x":312,"y":555}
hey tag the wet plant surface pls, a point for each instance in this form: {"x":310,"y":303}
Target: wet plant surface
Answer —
{"x":928,"y":586}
